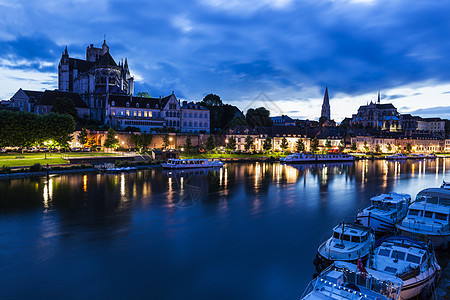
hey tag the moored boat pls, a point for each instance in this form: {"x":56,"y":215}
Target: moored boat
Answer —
{"x":431,"y":156}
{"x":316,"y":158}
{"x":191,"y":163}
{"x":349,"y":243}
{"x":416,"y":156}
{"x":429,"y":215}
{"x":396,"y":156}
{"x":344,"y":280}
{"x":385,"y":211}
{"x":411,"y":261}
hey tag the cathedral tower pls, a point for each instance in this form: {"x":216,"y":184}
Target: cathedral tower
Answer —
{"x":326,"y":105}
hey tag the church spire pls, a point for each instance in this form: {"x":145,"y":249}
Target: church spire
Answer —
{"x":379,"y":98}
{"x":326,"y":105}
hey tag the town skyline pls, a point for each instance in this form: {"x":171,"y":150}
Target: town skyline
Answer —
{"x":232,"y":49}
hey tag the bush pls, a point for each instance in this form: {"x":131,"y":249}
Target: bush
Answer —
{"x":6,"y":169}
{"x":35,"y":168}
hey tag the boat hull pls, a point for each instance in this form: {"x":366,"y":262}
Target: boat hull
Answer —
{"x":438,"y":240}
{"x":422,"y":283}
{"x":193,"y":166}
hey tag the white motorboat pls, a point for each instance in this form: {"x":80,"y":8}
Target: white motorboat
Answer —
{"x":344,"y":280}
{"x":396,"y":156}
{"x":191,"y":163}
{"x":316,"y":158}
{"x":431,"y":156}
{"x":411,"y":261}
{"x":416,"y":156}
{"x":349,"y":242}
{"x":429,"y":215}
{"x":385,"y":211}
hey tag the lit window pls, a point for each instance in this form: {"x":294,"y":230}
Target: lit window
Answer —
{"x":121,"y":113}
{"x":139,"y":113}
{"x":134,"y":113}
{"x":128,"y":112}
{"x":149,"y":114}
{"x":145,"y":114}
{"x":113,"y":112}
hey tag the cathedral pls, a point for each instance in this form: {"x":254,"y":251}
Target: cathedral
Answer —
{"x":95,"y":78}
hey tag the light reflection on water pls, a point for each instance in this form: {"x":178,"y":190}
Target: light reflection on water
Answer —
{"x":244,"y":231}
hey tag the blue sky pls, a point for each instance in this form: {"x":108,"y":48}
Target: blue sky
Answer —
{"x":277,"y":53}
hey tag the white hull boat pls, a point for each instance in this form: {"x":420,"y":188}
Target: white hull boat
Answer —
{"x":396,"y":156}
{"x":191,"y":163}
{"x":411,"y":261}
{"x":316,"y":158}
{"x":349,"y":243}
{"x":349,"y":281}
{"x":385,"y":212}
{"x":429,"y":215}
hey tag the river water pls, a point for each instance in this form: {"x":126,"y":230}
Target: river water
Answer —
{"x":247,"y":231}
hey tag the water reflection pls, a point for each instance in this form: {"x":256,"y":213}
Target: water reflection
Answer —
{"x":215,"y":228}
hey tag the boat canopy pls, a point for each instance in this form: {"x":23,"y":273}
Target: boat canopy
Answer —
{"x":434,"y":196}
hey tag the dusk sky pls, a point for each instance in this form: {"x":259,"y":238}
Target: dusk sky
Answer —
{"x":280,"y":52}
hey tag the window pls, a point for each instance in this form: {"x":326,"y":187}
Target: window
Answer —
{"x":128,"y":112}
{"x":113,"y":112}
{"x":145,"y":114}
{"x":185,"y":115}
{"x":413,"y":258}
{"x":440,"y":216}
{"x":121,"y":112}
{"x":190,"y":115}
{"x":139,"y":113}
{"x":195,"y":115}
{"x":149,"y":114}
{"x":147,"y":105}
{"x":137,"y":104}
{"x":428,"y":214}
{"x":134,"y":113}
{"x":414,"y":212}
{"x":355,"y":239}
{"x":346,"y":238}
{"x":156,"y":105}
{"x":113,"y":103}
{"x":384,"y":252}
{"x":128,"y":104}
{"x":336,"y":235}
{"x":398,"y":255}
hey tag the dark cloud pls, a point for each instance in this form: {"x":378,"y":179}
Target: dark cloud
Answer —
{"x":194,"y":48}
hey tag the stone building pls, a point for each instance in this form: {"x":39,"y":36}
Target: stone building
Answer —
{"x":194,"y":118}
{"x":45,"y":103}
{"x":326,"y":110}
{"x":25,"y":100}
{"x":377,"y":116}
{"x":94,"y":78}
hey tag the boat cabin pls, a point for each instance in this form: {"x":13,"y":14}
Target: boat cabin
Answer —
{"x":439,"y":196}
{"x":352,"y":233}
{"x":187,"y":161}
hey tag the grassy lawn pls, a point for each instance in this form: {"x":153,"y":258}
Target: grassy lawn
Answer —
{"x":29,"y":159}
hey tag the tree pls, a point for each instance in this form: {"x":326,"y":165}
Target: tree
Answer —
{"x":248,"y":143}
{"x":60,"y":128}
{"x":141,"y":141}
{"x":231,"y":145}
{"x":211,"y":100}
{"x":353,"y":147}
{"x":365,"y":147}
{"x":300,"y":145}
{"x":408,"y":147}
{"x":259,"y":117}
{"x":64,"y":105}
{"x":389,"y":147}
{"x":188,"y":145}
{"x":111,"y":141}
{"x":314,"y":144}
{"x":83,"y":137}
{"x":267,"y":145}
{"x":166,"y":141}
{"x":377,"y":148}
{"x":215,"y":106}
{"x":143,"y":94}
{"x":328,"y":144}
{"x":210,"y":143}
{"x":284,"y":144}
